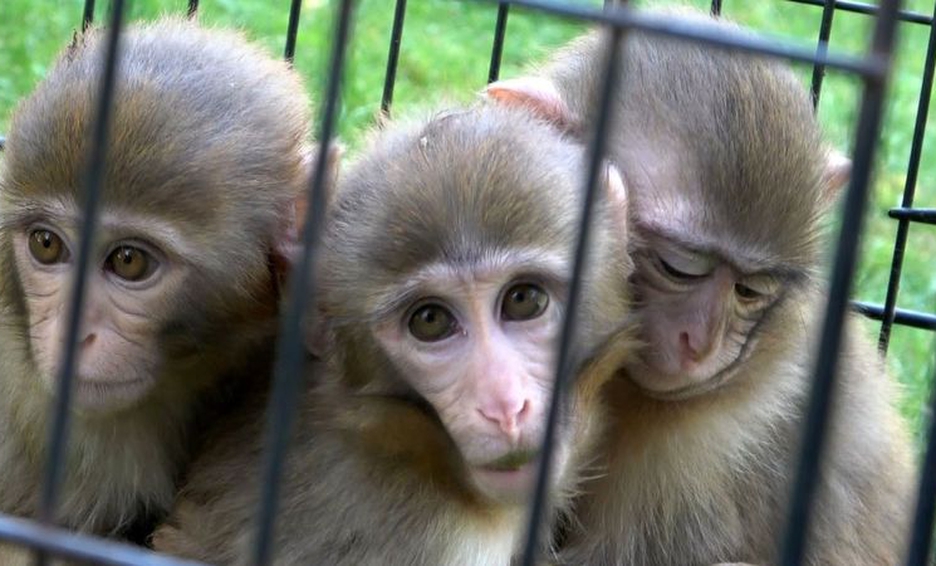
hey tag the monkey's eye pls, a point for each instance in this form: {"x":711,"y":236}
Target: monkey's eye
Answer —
{"x":47,"y":247}
{"x":747,"y":293}
{"x":130,"y":263}
{"x":431,"y":323}
{"x":524,"y":302}
{"x":676,"y":273}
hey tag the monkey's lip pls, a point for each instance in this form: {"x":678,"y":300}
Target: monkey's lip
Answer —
{"x":511,"y":462}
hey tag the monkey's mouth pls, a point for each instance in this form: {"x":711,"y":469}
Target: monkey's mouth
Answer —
{"x":511,"y":462}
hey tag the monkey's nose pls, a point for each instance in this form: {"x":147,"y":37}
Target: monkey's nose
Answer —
{"x":694,"y":350}
{"x":508,"y":418}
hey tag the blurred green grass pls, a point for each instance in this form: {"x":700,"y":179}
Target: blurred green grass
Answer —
{"x":444,"y":60}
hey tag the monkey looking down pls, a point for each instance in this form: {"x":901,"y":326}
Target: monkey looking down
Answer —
{"x":730,"y":184}
{"x":207,"y":155}
{"x":445,"y":267}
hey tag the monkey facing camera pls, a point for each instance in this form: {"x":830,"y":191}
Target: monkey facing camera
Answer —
{"x":444,"y":275}
{"x":207,"y":154}
{"x":730,"y":182}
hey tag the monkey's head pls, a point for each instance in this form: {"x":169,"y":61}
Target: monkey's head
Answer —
{"x":205,"y":159}
{"x":729,"y":180}
{"x":445,"y":274}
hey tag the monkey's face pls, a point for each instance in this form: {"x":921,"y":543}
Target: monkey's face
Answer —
{"x":478,"y":342}
{"x":130,"y":280}
{"x":699,"y":316}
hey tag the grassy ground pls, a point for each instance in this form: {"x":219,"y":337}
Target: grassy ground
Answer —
{"x":444,"y":60}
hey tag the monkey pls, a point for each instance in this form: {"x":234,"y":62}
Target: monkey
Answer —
{"x":445,"y":265}
{"x":209,"y":151}
{"x":730,"y":184}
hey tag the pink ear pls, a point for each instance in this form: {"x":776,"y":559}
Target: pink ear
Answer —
{"x":287,"y":248}
{"x":533,"y":93}
{"x":836,"y":175}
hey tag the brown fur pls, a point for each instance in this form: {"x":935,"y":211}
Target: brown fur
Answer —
{"x":209,"y":133}
{"x":373,"y":477}
{"x":725,"y":144}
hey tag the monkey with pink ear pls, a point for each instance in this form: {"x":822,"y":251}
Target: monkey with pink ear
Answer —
{"x":729,"y":183}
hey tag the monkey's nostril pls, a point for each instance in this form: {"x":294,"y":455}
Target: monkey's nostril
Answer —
{"x":89,"y":339}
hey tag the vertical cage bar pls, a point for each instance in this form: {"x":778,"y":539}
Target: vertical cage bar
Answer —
{"x":913,"y":168}
{"x":192,"y":9}
{"x":87,"y":18}
{"x":820,"y":401}
{"x":393,"y":57}
{"x":93,"y":178}
{"x":563,"y":371}
{"x":716,"y":8}
{"x":289,"y":368}
{"x":292,"y":30}
{"x":825,"y":32}
{"x":497,"y":50}
{"x":921,"y":535}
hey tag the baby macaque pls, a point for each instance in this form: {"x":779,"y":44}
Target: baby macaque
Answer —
{"x":207,"y":156}
{"x":730,"y":182}
{"x":444,"y":277}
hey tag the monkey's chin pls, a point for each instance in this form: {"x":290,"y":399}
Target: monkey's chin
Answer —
{"x":99,"y":396}
{"x":666,"y":387}
{"x":509,"y":486}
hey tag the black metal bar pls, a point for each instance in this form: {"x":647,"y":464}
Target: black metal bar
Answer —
{"x":290,"y":356}
{"x":825,"y":31}
{"x":921,"y":535}
{"x":820,"y":401}
{"x":921,"y":320}
{"x":87,"y":18}
{"x":68,"y":544}
{"x":650,"y":23}
{"x":870,"y":10}
{"x":497,"y":50}
{"x":393,"y":57}
{"x":192,"y":8}
{"x":292,"y":30}
{"x":716,"y":8}
{"x":2,"y":143}
{"x":93,"y":178}
{"x":904,"y":214}
{"x":563,"y":369}
{"x":923,"y":215}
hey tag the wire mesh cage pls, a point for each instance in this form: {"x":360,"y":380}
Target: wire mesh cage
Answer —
{"x":872,"y":70}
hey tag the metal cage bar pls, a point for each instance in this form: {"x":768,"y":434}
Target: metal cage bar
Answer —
{"x":288,"y":371}
{"x":904,"y":217}
{"x":192,"y":11}
{"x":292,"y":30}
{"x":914,"y":319}
{"x":393,"y":57}
{"x":825,"y":32}
{"x":870,"y":10}
{"x":821,"y":397}
{"x":93,"y":178}
{"x":87,"y":17}
{"x":715,"y":10}
{"x":563,"y":366}
{"x":497,"y":49}
{"x":921,"y":534}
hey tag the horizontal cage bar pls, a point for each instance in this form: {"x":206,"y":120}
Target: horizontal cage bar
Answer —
{"x":924,"y":215}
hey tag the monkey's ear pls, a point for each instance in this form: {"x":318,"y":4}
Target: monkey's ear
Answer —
{"x":835,"y":176}
{"x":535,"y":94}
{"x":288,"y":246}
{"x":616,"y":194}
